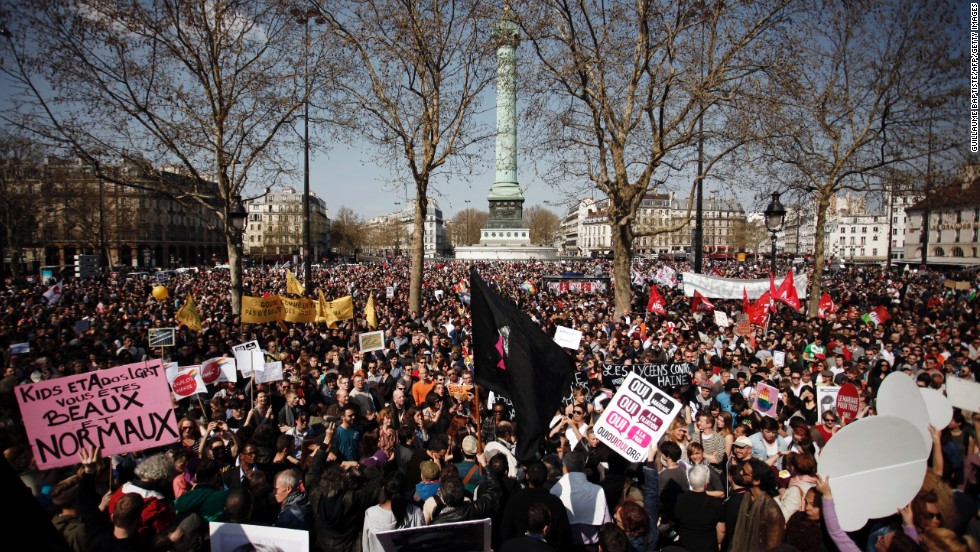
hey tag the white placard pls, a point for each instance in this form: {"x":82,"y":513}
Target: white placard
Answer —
{"x":390,"y":292}
{"x":272,"y":371}
{"x":827,"y":399}
{"x":438,"y":293}
{"x":248,"y":357}
{"x":873,"y":471}
{"x":227,"y":537}
{"x":226,"y":369}
{"x":568,"y":337}
{"x":964,"y":394}
{"x":460,"y":535}
{"x":779,"y":359}
{"x":721,"y":319}
{"x":184,"y":381}
{"x":371,"y":341}
{"x":899,"y":396}
{"x":637,"y":416}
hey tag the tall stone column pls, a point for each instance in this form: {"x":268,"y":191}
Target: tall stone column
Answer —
{"x":506,"y":198}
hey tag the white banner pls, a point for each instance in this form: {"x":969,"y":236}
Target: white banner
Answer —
{"x":714,"y":287}
{"x":248,"y":357}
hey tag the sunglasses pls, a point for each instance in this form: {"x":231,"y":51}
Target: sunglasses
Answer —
{"x":578,"y":412}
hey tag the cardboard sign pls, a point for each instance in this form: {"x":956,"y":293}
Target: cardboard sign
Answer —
{"x":248,"y":356}
{"x":162,"y":337}
{"x":122,"y":409}
{"x":229,"y":537}
{"x":459,"y":391}
{"x":461,"y":536}
{"x":638,"y":415}
{"x":847,"y":402}
{"x":371,"y":341}
{"x":272,"y":371}
{"x":766,"y":399}
{"x":664,"y":376}
{"x":568,"y":337}
{"x":963,"y":394}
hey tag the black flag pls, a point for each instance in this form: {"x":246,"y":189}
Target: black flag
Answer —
{"x":513,"y":357}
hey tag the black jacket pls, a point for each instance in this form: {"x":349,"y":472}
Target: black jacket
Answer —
{"x":481,"y":508}
{"x":338,"y":518}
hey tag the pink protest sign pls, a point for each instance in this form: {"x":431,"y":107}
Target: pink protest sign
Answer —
{"x":119,"y":410}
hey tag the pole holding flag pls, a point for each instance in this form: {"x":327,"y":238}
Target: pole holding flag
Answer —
{"x":514,"y":357}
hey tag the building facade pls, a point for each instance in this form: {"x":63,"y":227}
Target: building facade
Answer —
{"x":61,"y":208}
{"x":394,"y":232}
{"x":857,"y":238}
{"x":275,"y":226}
{"x":946,"y":223}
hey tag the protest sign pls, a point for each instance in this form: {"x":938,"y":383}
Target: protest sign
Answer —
{"x":20,"y":348}
{"x":390,"y":292}
{"x":964,"y":394}
{"x":459,"y":391}
{"x":83,"y":326}
{"x":664,"y":376}
{"x":272,"y":371}
{"x":568,"y":337}
{"x":232,"y":537}
{"x":371,"y":341}
{"x":638,"y":415}
{"x":847,"y":402}
{"x":779,"y":359}
{"x":298,"y":310}
{"x":460,"y":536}
{"x":899,"y":396}
{"x":162,"y":337}
{"x":217,"y":370}
{"x":721,"y":319}
{"x":122,"y":409}
{"x":247,"y":356}
{"x":185,"y":381}
{"x":827,"y":399}
{"x":766,"y":398}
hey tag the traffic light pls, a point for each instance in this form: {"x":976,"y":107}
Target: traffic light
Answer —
{"x":86,"y":266}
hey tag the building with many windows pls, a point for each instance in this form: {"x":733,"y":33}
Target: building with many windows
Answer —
{"x":275,"y":226}
{"x":857,"y":238}
{"x":947,"y":224}
{"x":393,"y":232}
{"x":60,"y":208}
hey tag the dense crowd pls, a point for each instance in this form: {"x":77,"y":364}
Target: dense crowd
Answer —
{"x":350,"y":444}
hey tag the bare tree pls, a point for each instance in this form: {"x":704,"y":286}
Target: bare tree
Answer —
{"x":19,"y":200}
{"x":420,"y":69}
{"x":857,"y":94}
{"x":204,"y":86}
{"x":746,"y":236}
{"x":466,"y":225}
{"x":347,"y":231}
{"x":621,"y":86}
{"x":542,"y":224}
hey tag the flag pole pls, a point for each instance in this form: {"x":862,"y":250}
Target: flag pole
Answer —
{"x":479,"y":418}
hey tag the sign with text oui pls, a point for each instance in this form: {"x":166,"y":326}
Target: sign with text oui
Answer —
{"x":638,"y":416}
{"x":119,"y":410}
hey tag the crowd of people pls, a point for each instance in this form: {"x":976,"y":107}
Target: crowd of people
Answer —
{"x":350,"y":444}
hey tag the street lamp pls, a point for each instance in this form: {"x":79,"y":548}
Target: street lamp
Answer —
{"x":303,"y":18}
{"x":236,"y":220}
{"x":775,"y":215}
{"x":466,"y":239}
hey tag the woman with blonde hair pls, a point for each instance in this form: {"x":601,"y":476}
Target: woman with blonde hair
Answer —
{"x":946,"y":540}
{"x":677,"y":433}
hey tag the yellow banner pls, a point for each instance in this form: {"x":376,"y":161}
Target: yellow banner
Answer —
{"x":298,"y":310}
{"x":372,"y":317}
{"x":189,"y":316}
{"x":338,"y":309}
{"x":292,"y":284}
{"x":257,"y":310}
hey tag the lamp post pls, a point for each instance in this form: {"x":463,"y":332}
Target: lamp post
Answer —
{"x":466,"y":237}
{"x":775,"y":215}
{"x":237,"y":217}
{"x":303,"y":17}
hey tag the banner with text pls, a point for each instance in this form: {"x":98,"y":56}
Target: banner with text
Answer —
{"x":664,"y":376}
{"x":258,"y":310}
{"x":122,"y":409}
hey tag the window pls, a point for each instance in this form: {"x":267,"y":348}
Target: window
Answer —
{"x":864,"y":229}
{"x":874,"y":252}
{"x":957,"y":252}
{"x":939,"y":252}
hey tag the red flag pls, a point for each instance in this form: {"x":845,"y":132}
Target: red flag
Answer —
{"x":880,"y":315}
{"x":700,"y":304}
{"x":745,"y":300}
{"x":656,"y":303}
{"x":787,"y":292}
{"x":826,"y":306}
{"x":758,"y":313}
